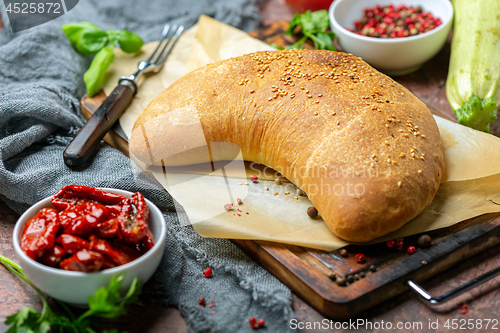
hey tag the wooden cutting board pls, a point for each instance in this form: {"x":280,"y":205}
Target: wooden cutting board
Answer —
{"x":308,"y":272}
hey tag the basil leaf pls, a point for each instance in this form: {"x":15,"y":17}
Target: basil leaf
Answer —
{"x":94,"y":76}
{"x":74,"y":31}
{"x":129,"y":41}
{"x":91,"y":41}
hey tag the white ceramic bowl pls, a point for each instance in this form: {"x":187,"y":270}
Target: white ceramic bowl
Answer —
{"x":75,"y":287}
{"x":393,"y":56}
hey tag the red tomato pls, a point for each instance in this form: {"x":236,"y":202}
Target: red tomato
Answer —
{"x":301,"y":6}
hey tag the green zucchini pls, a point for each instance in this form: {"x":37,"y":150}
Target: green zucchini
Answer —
{"x":473,"y":84}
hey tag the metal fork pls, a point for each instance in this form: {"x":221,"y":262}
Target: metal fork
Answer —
{"x":87,"y":139}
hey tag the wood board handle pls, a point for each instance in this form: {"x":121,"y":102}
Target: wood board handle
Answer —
{"x":85,"y":142}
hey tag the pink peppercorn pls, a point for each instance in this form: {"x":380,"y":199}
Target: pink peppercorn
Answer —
{"x":411,"y":249}
{"x":252,"y":321}
{"x":207,"y":272}
{"x":395,"y":22}
{"x":390,"y":243}
{"x":360,"y":257}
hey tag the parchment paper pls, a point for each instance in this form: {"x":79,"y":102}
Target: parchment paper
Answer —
{"x":470,"y":186}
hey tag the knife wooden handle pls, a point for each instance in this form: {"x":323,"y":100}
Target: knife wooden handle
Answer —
{"x":86,"y":141}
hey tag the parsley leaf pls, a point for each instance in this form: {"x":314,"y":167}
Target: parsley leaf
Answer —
{"x":313,"y":26}
{"x":104,"y":303}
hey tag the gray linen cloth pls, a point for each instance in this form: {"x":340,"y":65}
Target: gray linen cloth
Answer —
{"x":41,"y":81}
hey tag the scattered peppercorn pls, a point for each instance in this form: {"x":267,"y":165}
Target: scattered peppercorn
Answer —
{"x":212,"y":312}
{"x":362,"y":274}
{"x":356,"y":277}
{"x":254,"y":179}
{"x":228,"y":206}
{"x":201,"y":301}
{"x":211,"y":305}
{"x":395,"y":22}
{"x":360,"y":257}
{"x":252,"y":321}
{"x":341,"y":281}
{"x":300,"y":192}
{"x":207,"y":272}
{"x":332,"y":276}
{"x":350,"y":278}
{"x":343,"y":252}
{"x":239,"y":201}
{"x":411,"y":249}
{"x":424,"y":241}
{"x":278,"y":181}
{"x":260,"y":322}
{"x":373,"y":268}
{"x":399,"y":245}
{"x":390,"y":243}
{"x":312,"y":212}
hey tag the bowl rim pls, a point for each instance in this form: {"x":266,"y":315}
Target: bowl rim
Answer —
{"x":111,"y":271}
{"x":337,"y":25}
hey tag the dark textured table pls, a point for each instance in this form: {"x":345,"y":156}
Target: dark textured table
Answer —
{"x":149,"y":314}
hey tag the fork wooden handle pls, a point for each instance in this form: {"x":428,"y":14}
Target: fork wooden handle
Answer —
{"x":86,"y":141}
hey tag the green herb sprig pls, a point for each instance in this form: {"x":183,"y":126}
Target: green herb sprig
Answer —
{"x":105,"y":303}
{"x":314,"y":26}
{"x":88,"y":39}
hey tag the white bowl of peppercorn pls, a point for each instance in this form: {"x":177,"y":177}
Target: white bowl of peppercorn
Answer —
{"x":73,"y":286}
{"x":395,"y":36}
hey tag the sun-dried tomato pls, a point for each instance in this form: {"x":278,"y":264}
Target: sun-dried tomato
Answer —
{"x":83,"y":219}
{"x":72,"y":244}
{"x":108,"y":263}
{"x":72,"y":195}
{"x":109,"y":229}
{"x":131,"y":252}
{"x":104,"y":247}
{"x":146,"y":243}
{"x":53,"y":256}
{"x":97,"y":230}
{"x":133,"y":219}
{"x":40,"y":232}
{"x":83,"y":261}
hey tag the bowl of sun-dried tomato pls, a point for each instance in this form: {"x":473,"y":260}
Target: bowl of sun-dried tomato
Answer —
{"x":74,"y":242}
{"x":395,"y":36}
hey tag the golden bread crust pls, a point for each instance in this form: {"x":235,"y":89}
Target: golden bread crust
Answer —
{"x":365,"y":150}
